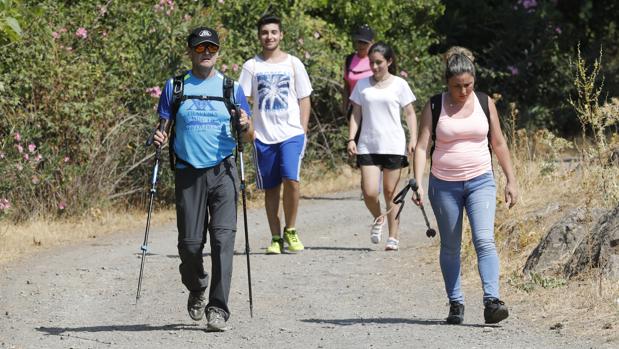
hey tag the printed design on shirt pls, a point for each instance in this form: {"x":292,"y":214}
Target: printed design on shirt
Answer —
{"x":201,"y":115}
{"x":273,"y":89}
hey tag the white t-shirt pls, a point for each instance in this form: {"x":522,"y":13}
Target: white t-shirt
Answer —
{"x":381,"y":126}
{"x":276,"y":89}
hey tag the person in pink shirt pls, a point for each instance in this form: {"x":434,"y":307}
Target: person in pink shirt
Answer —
{"x":461,"y":178}
{"x":357,"y":65}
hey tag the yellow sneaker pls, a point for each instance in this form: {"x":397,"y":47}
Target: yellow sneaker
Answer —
{"x":277,"y":245}
{"x":292,"y":239}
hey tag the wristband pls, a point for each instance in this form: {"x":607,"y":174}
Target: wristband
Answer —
{"x":350,"y":140}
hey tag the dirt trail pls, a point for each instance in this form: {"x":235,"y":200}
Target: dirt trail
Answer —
{"x":342,"y":292}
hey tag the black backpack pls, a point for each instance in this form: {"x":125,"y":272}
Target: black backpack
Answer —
{"x":436,"y":102}
{"x":178,"y":98}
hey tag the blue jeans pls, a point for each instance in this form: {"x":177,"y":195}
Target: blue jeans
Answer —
{"x":478,"y":197}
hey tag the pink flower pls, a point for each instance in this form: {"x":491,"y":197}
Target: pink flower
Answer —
{"x":221,"y":1}
{"x":2,"y":155}
{"x":38,"y":158}
{"x":104,"y":34}
{"x":62,"y":205}
{"x":528,"y":4}
{"x":32,"y":147}
{"x":235,"y":67}
{"x":307,"y":55}
{"x":224,"y":67}
{"x":154,"y":91}
{"x":17,"y":136}
{"x":513,"y":70}
{"x":56,"y":35}
{"x":4,"y":204}
{"x":558,"y":30}
{"x":26,"y":157}
{"x":403,"y":74}
{"x":20,"y":149}
{"x":66,"y":159}
{"x":81,"y":32}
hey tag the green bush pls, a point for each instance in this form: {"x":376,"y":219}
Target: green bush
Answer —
{"x":78,"y":86}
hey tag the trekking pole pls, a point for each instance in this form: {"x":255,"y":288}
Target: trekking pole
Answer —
{"x":399,"y":198}
{"x":430,"y":232}
{"x":239,"y":149}
{"x":152,"y":192}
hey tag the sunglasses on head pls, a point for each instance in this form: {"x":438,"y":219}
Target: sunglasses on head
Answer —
{"x":201,"y":48}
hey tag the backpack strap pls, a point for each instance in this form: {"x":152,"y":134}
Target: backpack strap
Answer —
{"x":228,"y":93}
{"x":348,"y":62}
{"x":436,"y":104}
{"x":178,"y":87}
{"x":483,"y":101}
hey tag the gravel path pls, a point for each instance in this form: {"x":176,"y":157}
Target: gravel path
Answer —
{"x":342,"y":292}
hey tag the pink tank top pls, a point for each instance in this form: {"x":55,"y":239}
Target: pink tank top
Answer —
{"x":359,"y":69}
{"x":461,"y":148}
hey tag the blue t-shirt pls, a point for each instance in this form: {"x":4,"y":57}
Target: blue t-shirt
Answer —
{"x":203,"y":128}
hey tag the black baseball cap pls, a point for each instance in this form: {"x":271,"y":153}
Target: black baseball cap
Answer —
{"x":363,"y":33}
{"x":202,"y":34}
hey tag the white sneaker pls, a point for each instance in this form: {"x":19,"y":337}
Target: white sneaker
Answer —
{"x":376,"y":232}
{"x":392,"y":244}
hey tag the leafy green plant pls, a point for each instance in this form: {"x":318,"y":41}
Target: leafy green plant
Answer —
{"x":529,"y":282}
{"x":10,"y":17}
{"x":84,"y":89}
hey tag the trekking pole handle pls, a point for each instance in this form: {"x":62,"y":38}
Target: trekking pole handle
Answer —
{"x":161,"y":128}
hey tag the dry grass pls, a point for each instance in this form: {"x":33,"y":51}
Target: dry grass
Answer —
{"x":586,"y":307}
{"x":549,"y":187}
{"x":33,"y":236}
{"x":36,"y":235}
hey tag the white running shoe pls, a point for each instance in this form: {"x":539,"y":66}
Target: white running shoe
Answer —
{"x":376,"y":232}
{"x":392,"y":244}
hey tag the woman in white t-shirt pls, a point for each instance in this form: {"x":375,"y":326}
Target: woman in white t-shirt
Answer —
{"x":382,"y":146}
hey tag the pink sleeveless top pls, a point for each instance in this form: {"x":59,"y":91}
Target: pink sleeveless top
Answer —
{"x":461,"y":148}
{"x":359,"y":69}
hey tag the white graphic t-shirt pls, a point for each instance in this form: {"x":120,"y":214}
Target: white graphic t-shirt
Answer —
{"x":276,"y":89}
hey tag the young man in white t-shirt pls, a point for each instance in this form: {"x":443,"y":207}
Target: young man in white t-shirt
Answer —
{"x":280,"y":91}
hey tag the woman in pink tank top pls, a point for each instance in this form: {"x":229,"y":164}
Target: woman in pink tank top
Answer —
{"x":357,"y":64}
{"x":461,"y":178}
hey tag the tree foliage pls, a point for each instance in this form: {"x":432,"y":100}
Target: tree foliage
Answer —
{"x":78,"y":99}
{"x":78,"y":91}
{"x":524,"y":49}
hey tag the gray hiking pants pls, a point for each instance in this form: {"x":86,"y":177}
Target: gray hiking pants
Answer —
{"x":206,"y":201}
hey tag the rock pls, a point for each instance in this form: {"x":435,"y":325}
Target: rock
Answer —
{"x":600,"y":249}
{"x":561,"y":240}
{"x":514,"y":228}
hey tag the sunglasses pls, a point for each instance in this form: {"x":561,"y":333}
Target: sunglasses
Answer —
{"x":212,"y":48}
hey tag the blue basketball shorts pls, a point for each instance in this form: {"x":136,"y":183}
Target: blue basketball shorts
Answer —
{"x":278,"y":161}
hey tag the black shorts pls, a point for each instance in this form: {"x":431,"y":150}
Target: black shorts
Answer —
{"x":388,"y":161}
